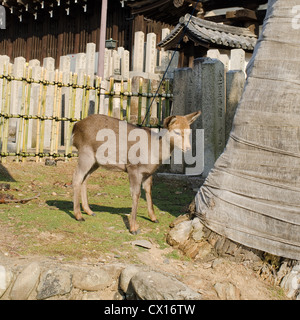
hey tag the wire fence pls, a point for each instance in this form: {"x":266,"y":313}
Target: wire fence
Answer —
{"x":37,"y":114}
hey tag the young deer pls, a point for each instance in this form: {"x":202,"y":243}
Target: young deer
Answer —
{"x":88,"y":139}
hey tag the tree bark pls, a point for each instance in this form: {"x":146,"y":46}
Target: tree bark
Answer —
{"x":252,"y":195}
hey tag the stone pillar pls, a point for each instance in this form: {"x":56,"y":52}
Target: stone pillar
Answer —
{"x":90,"y":71}
{"x":4,"y":61}
{"x":183,"y":91}
{"x":164,"y":55}
{"x":225,"y":60}
{"x":34,"y":101}
{"x":138,"y":53}
{"x":48,"y":64}
{"x":80,"y":69}
{"x":237,"y":60}
{"x":213,"y":54}
{"x":90,"y":60}
{"x":184,"y":102}
{"x":65,"y":67}
{"x":116,"y":63}
{"x":210,"y":95}
{"x":235,"y":82}
{"x":107,"y":64}
{"x":16,"y":101}
{"x":125,"y":64}
{"x":151,"y":54}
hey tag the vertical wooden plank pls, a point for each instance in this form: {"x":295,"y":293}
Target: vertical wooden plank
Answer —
{"x":87,"y":96}
{"x":111,"y":95}
{"x":140,"y":102}
{"x":6,"y":120}
{"x":68,"y":151}
{"x":54,"y":114}
{"x":122,"y":100}
{"x":3,"y":95}
{"x":38,"y":126}
{"x":83,"y":104}
{"x":26,"y":113}
{"x":59,"y":98}
{"x":167,"y":99}
{"x":43,"y":113}
{"x":128,"y":100}
{"x":97,"y":94}
{"x":21,"y":119}
{"x":159,"y":109}
{"x":148,"y":103}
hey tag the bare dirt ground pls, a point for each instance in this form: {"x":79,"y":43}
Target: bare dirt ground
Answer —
{"x":217,"y":278}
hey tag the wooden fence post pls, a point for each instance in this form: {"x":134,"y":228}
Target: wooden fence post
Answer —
{"x":6,"y":118}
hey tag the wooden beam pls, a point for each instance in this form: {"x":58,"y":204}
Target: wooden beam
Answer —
{"x":149,"y":7}
{"x":243,"y":14}
{"x":101,"y":54}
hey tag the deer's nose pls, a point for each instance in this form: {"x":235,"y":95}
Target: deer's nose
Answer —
{"x":187,"y":146}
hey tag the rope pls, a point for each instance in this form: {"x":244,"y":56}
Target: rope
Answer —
{"x":173,"y":55}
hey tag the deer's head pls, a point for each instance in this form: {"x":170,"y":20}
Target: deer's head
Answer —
{"x":179,"y":128}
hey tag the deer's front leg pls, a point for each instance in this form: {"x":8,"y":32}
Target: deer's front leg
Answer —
{"x":135,"y":188}
{"x":77,"y":181}
{"x":147,"y":186}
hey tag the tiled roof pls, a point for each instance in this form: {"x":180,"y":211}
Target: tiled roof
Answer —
{"x":210,"y":34}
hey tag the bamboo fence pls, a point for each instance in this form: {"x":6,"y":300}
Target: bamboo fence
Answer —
{"x":59,"y":121}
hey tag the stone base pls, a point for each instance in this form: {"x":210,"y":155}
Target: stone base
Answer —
{"x":49,"y":280}
{"x":196,"y":241}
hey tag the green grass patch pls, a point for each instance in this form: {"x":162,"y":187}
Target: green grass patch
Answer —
{"x":46,"y":226}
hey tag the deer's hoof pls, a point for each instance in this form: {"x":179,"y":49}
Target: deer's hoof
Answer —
{"x":93,"y":215}
{"x":81,"y":219}
{"x":135,"y":232}
{"x":156,"y":221}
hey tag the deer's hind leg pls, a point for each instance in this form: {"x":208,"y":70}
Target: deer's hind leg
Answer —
{"x":147,"y":186}
{"x":135,"y":180}
{"x":84,"y":197}
{"x":86,"y":162}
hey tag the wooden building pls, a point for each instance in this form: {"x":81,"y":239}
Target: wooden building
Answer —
{"x":36,"y":29}
{"x":52,"y":28}
{"x":217,"y":24}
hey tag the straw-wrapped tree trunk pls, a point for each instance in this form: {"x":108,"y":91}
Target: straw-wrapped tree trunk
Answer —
{"x":252,"y":195}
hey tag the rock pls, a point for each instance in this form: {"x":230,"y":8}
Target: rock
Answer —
{"x":142,"y":243}
{"x":179,"y":219}
{"x":291,"y":282}
{"x":126,"y":276}
{"x":54,"y":282}
{"x":227,"y":291}
{"x":152,"y":285}
{"x":91,"y":296}
{"x":91,"y":280}
{"x":50,"y":162}
{"x":197,"y":233}
{"x":180,"y":233}
{"x":205,"y":250}
{"x":25,"y":282}
{"x":6,"y":277}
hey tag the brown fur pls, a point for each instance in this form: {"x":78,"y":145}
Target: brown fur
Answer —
{"x":84,"y":139}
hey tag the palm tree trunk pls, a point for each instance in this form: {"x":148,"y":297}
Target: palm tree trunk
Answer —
{"x":252,"y":195}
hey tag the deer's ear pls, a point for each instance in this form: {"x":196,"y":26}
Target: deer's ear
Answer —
{"x":192,"y":117}
{"x":169,"y":121}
